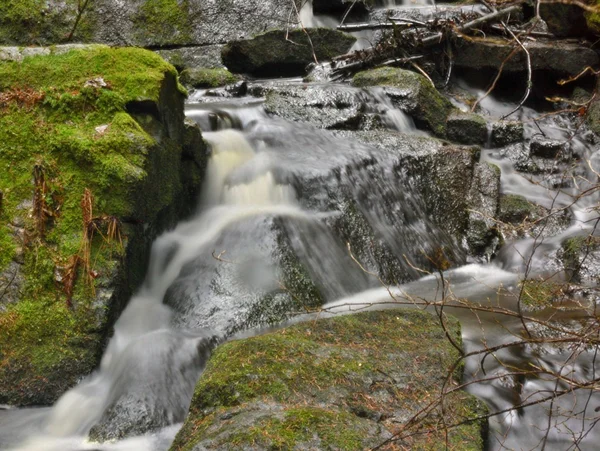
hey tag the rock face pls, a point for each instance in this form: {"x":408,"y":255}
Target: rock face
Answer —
{"x":412,"y":93}
{"x":100,"y":162}
{"x":284,"y":53}
{"x":342,"y":383}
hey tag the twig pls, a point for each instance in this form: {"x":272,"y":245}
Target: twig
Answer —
{"x":529,"y":73}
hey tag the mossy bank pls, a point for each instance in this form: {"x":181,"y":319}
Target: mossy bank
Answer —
{"x":346,"y":383}
{"x":96,"y":160}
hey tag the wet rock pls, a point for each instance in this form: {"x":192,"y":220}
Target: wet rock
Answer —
{"x":514,"y":208}
{"x":284,"y":53}
{"x":482,"y":236}
{"x":507,"y":132}
{"x":324,"y":106}
{"x":564,"y":20}
{"x":556,"y":58}
{"x":206,"y":56}
{"x":207,"y":78}
{"x":412,"y":93}
{"x":548,"y":148}
{"x":330,"y":384}
{"x":466,"y":128}
{"x":581,"y":258}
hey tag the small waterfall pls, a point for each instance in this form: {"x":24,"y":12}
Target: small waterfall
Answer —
{"x":145,"y":344}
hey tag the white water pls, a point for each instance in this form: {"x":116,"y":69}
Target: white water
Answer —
{"x":144,"y":340}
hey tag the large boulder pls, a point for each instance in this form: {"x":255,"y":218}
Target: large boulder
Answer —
{"x":284,"y":52}
{"x":341,"y":383}
{"x":97,"y":161}
{"x":412,"y":93}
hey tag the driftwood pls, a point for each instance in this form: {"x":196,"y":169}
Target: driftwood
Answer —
{"x":398,"y":51}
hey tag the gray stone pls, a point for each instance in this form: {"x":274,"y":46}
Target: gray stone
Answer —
{"x":559,"y":58}
{"x":564,"y":20}
{"x":466,"y":128}
{"x":484,"y":195}
{"x":507,"y":132}
{"x":284,"y":52}
{"x":548,"y":148}
{"x":208,"y":56}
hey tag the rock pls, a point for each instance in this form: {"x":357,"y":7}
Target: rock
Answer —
{"x":507,"y":132}
{"x":581,"y":259}
{"x":557,"y":58}
{"x":207,"y":78}
{"x":466,"y":128}
{"x":337,"y":383}
{"x":412,"y":93}
{"x":515,"y":209}
{"x":324,"y":106}
{"x":54,"y":333}
{"x":284,"y":53}
{"x":564,"y":20}
{"x":206,"y":56}
{"x":144,"y":23}
{"x":482,"y":236}
{"x":549,"y":148}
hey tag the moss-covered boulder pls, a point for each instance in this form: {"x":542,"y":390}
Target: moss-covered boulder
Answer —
{"x":412,"y":93}
{"x":96,"y":160}
{"x":207,"y":78}
{"x":285,"y":53}
{"x":514,"y":208}
{"x":346,"y":383}
{"x":507,"y":132}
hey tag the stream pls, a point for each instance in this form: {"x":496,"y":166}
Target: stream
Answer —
{"x":272,"y":181}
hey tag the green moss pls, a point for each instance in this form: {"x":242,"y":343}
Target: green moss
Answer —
{"x":67,"y":115}
{"x":7,"y":244}
{"x":208,"y":78}
{"x":360,"y":366}
{"x":336,"y":430}
{"x":164,"y":22}
{"x":427,"y":105}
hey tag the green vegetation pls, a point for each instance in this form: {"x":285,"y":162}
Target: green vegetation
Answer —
{"x":65,"y":129}
{"x":424,"y":102}
{"x":273,"y":389}
{"x":208,"y":78}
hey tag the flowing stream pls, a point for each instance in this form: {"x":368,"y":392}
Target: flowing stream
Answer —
{"x":268,"y":178}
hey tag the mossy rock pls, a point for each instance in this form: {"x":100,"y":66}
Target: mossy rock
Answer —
{"x":342,"y":383}
{"x":581,"y":259}
{"x":515,"y":209}
{"x":507,"y":132}
{"x":564,"y":20}
{"x":466,"y":128}
{"x":108,"y":122}
{"x":413,"y":93}
{"x":207,"y":78}
{"x":284,"y":53}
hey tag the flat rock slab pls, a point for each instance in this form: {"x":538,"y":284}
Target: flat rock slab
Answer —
{"x":560,"y":57}
{"x":349,"y":382}
{"x":283,"y":52}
